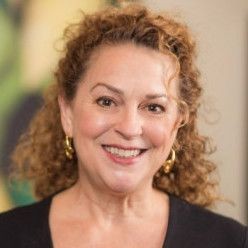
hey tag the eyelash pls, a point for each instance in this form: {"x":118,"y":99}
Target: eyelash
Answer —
{"x":100,"y":101}
{"x":155,"y":106}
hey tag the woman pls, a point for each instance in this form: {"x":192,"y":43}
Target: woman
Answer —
{"x":115,"y":155}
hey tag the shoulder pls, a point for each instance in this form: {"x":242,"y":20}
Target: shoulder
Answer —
{"x":25,"y":215}
{"x":207,"y":228}
{"x":22,"y":224}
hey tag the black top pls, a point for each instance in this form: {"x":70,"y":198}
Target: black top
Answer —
{"x":189,"y":227}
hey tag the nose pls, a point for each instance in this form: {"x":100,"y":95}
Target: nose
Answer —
{"x":129,"y":124}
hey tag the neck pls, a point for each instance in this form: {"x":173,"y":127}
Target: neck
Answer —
{"x":110,"y":206}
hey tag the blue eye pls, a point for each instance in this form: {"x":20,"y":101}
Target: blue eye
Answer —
{"x":156,"y":108}
{"x":105,"y":101}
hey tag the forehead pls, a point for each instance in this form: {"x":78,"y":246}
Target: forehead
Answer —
{"x":130,"y":64}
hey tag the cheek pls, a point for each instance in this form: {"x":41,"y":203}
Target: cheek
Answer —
{"x":161,"y":134}
{"x":90,"y":124}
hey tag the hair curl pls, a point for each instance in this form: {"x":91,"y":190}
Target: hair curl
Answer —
{"x":40,"y":157}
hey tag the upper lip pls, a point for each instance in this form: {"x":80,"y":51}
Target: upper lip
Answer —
{"x":125,"y":147}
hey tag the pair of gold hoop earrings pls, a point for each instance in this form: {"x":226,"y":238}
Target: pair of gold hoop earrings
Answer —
{"x":69,"y":151}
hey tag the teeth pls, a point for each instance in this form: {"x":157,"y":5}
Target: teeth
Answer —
{"x":122,"y":152}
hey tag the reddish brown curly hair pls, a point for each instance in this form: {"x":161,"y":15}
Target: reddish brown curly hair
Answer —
{"x":40,"y":156}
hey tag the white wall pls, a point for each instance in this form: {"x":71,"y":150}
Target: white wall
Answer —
{"x":221,"y":28}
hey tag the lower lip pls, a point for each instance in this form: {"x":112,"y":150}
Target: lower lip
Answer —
{"x":122,"y":160}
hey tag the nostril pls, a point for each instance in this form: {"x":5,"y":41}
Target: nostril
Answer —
{"x":128,"y":134}
{"x":128,"y":129}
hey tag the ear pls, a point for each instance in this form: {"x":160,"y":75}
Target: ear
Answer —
{"x":65,"y":115}
{"x":177,"y":123}
{"x":183,"y":116}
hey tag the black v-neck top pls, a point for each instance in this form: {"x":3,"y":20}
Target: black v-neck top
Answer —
{"x":189,"y":227}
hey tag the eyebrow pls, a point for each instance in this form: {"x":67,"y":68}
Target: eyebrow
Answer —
{"x":120,"y":92}
{"x":109,"y":87}
{"x":154,"y":96}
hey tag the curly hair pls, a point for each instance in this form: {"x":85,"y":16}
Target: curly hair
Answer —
{"x":40,"y":157}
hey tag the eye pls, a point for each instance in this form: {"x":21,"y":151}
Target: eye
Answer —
{"x":156,"y":108}
{"x":105,"y":101}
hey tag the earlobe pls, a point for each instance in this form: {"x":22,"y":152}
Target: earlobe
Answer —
{"x":65,"y":115}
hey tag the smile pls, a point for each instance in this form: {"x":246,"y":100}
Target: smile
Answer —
{"x":123,"y":153}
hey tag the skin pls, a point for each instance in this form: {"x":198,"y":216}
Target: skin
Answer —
{"x":125,"y":100}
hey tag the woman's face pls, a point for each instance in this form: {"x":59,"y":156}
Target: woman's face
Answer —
{"x":123,"y":119}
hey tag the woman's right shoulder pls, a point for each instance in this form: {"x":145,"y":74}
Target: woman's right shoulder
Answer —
{"x":25,"y":213}
{"x":21,"y":223}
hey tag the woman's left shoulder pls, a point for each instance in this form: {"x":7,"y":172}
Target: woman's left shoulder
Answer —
{"x":211,"y":229}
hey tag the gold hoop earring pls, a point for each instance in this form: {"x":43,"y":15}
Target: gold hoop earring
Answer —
{"x":168,"y":165}
{"x":68,"y":147}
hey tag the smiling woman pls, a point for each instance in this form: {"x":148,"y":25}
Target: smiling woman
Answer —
{"x":118,"y":126}
{"x":114,"y":154}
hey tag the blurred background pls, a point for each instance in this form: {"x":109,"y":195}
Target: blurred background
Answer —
{"x":30,"y":32}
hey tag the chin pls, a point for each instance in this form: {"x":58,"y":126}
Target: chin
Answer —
{"x":124,"y":186}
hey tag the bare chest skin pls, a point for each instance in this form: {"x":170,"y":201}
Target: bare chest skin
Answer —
{"x":132,"y":232}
